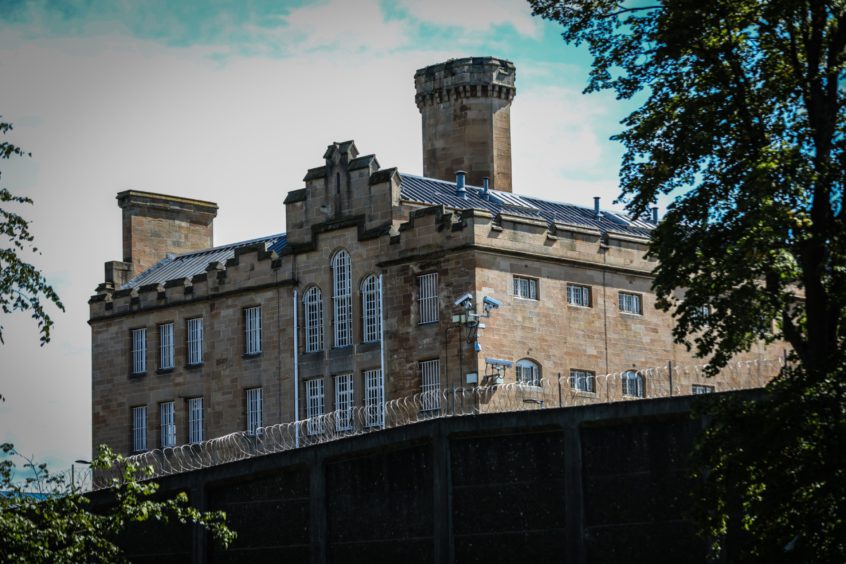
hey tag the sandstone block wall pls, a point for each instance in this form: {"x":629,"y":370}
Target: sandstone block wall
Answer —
{"x":465,"y":110}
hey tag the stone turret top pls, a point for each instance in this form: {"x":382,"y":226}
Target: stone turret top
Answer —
{"x":466,"y":77}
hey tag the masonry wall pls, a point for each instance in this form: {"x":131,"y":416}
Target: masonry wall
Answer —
{"x":350,"y":204}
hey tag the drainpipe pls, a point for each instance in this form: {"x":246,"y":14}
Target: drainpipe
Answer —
{"x":382,"y":348}
{"x":296,"y":372}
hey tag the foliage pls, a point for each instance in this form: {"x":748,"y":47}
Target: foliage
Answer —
{"x":46,"y":519}
{"x":744,"y":124}
{"x":22,"y":286}
{"x":772,"y":473}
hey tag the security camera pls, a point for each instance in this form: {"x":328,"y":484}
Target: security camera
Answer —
{"x":465,"y":300}
{"x":491,"y":303}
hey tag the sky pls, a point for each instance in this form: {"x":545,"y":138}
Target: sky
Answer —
{"x":231,"y":101}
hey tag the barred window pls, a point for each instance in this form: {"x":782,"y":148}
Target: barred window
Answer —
{"x":252,"y":330}
{"x":343,"y":402}
{"x":699,"y":389}
{"x":430,"y":379}
{"x":253,"y":410}
{"x":313,"y":305}
{"x":139,"y":351}
{"x":195,"y":341}
{"x":139,"y":428}
{"x":374,"y":415}
{"x":632,"y":384}
{"x":370,"y":308}
{"x":314,"y":406}
{"x":195,"y":420}
{"x":526,"y":288}
{"x":583,"y":381}
{"x":631,"y":303}
{"x":342,"y":299}
{"x":166,"y":346}
{"x":578,"y":295}
{"x":427,"y":298}
{"x":528,"y":373}
{"x":168,"y":427}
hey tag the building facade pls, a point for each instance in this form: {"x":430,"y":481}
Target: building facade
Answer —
{"x":385,"y":285}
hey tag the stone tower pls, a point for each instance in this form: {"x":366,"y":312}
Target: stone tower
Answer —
{"x":466,"y":109}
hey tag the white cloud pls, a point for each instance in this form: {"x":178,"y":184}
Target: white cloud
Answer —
{"x":475,"y":16}
{"x":348,"y":27}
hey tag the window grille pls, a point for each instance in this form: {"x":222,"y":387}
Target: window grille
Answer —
{"x":430,"y":378}
{"x":427,"y":298}
{"x":631,"y":303}
{"x":253,"y":410}
{"x":526,"y":288}
{"x":313,"y":304}
{"x":195,"y":420}
{"x":195,"y":341}
{"x":528,"y":373}
{"x":252,"y":330}
{"x":374,"y":415}
{"x":342,"y":299}
{"x":314,"y":406}
{"x":632,"y":384}
{"x":699,"y":389}
{"x":139,"y":351}
{"x":583,"y":381}
{"x":139,"y":428}
{"x":578,"y":295}
{"x":343,"y":402}
{"x":168,"y":427}
{"x":166,"y":346}
{"x":370,"y":308}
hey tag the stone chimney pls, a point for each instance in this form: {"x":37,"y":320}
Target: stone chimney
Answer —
{"x":466,"y":109}
{"x":155,"y":225}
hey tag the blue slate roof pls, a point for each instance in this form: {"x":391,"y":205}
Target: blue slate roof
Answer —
{"x":424,"y":191}
{"x":190,"y":264}
{"x":441,"y":192}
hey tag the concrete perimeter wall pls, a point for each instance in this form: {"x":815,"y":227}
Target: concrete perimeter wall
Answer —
{"x":599,"y":483}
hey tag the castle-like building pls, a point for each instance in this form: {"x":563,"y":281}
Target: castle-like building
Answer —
{"x":384,"y":285}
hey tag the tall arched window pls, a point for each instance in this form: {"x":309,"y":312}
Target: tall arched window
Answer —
{"x":632,"y":384}
{"x":371,"y":324}
{"x":528,"y":373}
{"x":342,"y":299}
{"x":313,"y":305}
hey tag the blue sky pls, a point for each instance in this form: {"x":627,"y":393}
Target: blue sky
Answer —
{"x":231,"y":101}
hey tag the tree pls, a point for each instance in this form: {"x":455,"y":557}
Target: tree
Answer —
{"x":22,"y":286}
{"x":742,"y":125}
{"x":45,"y":518}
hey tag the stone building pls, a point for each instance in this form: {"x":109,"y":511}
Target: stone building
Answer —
{"x":384,"y":285}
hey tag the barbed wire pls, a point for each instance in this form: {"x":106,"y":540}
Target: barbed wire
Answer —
{"x":561,"y":391}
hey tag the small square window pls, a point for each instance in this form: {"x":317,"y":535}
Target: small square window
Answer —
{"x":578,"y":295}
{"x":583,"y":381}
{"x":631,"y":303}
{"x":525,"y":288}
